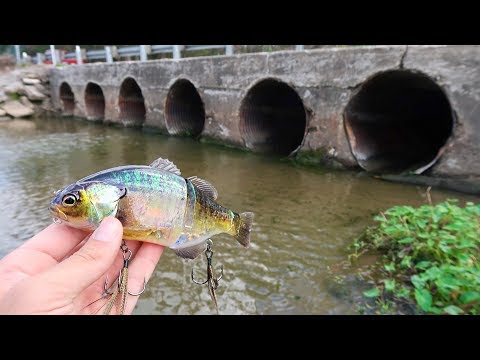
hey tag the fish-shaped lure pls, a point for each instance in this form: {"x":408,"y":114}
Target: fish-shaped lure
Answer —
{"x":154,"y":204}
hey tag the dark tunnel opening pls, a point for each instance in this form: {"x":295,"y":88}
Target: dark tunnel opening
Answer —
{"x":68,"y":99}
{"x":398,"y":122}
{"x":272,"y":118}
{"x":184,"y":110}
{"x":131,"y":103}
{"x":94,"y":102}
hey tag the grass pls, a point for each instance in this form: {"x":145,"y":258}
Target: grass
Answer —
{"x":429,"y":258}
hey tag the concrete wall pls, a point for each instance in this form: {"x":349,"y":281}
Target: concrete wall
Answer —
{"x":324,"y":79}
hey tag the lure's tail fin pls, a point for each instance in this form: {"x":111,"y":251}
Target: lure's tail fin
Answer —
{"x":243,"y":227}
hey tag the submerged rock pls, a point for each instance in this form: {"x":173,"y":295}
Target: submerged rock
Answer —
{"x":467,"y":186}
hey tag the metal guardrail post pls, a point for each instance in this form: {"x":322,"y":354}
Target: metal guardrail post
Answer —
{"x":108,"y":54}
{"x":17,"y":54}
{"x":299,"y":47}
{"x":78,"y":52}
{"x":177,"y":51}
{"x":54,"y":55}
{"x":143,"y":53}
{"x":228,"y":49}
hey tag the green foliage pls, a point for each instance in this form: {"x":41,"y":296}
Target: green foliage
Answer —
{"x":312,"y":157}
{"x":6,"y":49}
{"x":430,"y":257}
{"x":13,"y":96}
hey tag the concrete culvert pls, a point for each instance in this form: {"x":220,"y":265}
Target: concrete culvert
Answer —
{"x":184,"y":110}
{"x":131,"y":103}
{"x":272,"y":118}
{"x":398,"y":122}
{"x":94,"y":101}
{"x":68,"y":99}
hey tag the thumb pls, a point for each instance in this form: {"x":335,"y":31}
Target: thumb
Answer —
{"x":89,"y":263}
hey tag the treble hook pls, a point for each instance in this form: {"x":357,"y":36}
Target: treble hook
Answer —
{"x":211,"y":279}
{"x":126,"y":260}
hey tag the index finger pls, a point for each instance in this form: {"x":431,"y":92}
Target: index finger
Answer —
{"x":56,"y":240}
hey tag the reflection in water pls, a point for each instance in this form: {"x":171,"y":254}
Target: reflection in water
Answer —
{"x":305,"y":217}
{"x":134,"y":150}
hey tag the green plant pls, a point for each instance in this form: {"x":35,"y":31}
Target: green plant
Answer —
{"x":430,"y":257}
{"x":13,"y":96}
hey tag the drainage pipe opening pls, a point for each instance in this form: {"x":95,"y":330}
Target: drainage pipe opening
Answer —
{"x":399,"y":121}
{"x":94,"y":101}
{"x":68,"y":99}
{"x":272,"y":118}
{"x":184,"y":110}
{"x":131,"y":103}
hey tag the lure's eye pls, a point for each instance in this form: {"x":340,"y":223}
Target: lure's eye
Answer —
{"x":69,"y":200}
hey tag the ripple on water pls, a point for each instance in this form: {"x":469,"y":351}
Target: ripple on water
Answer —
{"x":304,"y":217}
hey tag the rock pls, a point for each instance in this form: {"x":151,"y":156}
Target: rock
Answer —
{"x":14,"y":88}
{"x":16,"y":109}
{"x":47,"y":105}
{"x":2,"y":112}
{"x":3,"y":97}
{"x":33,"y":94}
{"x":42,"y":89}
{"x":24,"y":100}
{"x":7,"y":62}
{"x":5,"y":118}
{"x":30,"y":81}
{"x":39,"y":72}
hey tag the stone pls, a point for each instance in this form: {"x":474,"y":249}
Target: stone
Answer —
{"x":24,"y":100}
{"x":2,"y":112}
{"x":33,"y":94}
{"x":47,"y":105}
{"x":5,"y":118}
{"x":31,"y":81}
{"x":3,"y":97}
{"x":39,"y":72}
{"x":14,"y":88}
{"x":7,"y":62}
{"x":42,"y":89}
{"x":17,"y":109}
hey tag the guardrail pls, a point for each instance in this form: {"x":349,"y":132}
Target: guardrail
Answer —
{"x":111,"y":53}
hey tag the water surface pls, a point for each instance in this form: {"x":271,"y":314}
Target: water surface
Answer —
{"x":305,"y":217}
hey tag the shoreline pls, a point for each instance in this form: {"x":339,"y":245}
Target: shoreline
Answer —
{"x":24,"y":92}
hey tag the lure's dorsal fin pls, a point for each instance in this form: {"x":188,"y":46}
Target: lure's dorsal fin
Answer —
{"x":191,"y":252}
{"x":205,"y":187}
{"x":165,"y":164}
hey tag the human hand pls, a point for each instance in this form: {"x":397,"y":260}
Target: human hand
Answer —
{"x":62,"y":270}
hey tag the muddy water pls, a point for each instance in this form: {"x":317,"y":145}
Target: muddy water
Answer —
{"x":305,"y":217}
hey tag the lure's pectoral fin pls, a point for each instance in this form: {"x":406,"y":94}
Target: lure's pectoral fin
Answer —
{"x":190,"y":252}
{"x":165,"y":164}
{"x":204,"y":186}
{"x":243,"y":228}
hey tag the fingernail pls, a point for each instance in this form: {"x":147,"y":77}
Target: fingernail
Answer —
{"x":106,"y":231}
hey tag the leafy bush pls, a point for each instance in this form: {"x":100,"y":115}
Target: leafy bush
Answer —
{"x":430,"y":256}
